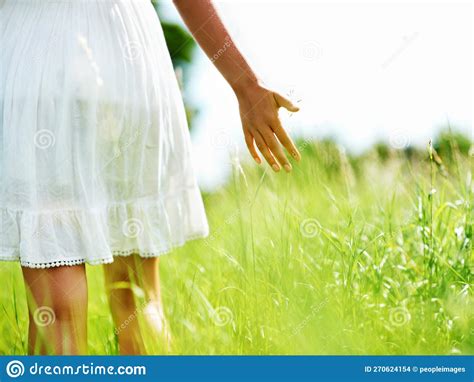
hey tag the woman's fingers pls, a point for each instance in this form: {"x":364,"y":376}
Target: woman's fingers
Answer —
{"x":270,"y":148}
{"x":285,"y":102}
{"x":285,"y":139}
{"x":250,"y":145}
{"x":263,"y":128}
{"x":276,"y":149}
{"x":262,"y":147}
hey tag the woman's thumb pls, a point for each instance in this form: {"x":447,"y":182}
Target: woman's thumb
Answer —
{"x":285,"y":102}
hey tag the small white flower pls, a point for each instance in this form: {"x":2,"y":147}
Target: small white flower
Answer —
{"x":459,"y":231}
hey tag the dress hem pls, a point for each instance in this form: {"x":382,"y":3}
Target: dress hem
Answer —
{"x":4,"y":256}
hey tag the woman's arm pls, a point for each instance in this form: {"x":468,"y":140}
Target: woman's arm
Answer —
{"x":258,"y":105}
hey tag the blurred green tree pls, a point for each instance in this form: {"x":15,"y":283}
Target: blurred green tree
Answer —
{"x":181,"y":46}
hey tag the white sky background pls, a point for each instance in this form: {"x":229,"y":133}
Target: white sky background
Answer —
{"x":364,"y":72}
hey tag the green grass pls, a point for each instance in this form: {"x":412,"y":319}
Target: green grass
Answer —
{"x":366,"y":255}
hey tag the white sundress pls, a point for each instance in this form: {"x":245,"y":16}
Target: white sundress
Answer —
{"x":95,"y":157}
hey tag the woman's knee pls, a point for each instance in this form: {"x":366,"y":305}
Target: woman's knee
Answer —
{"x":119,"y":283}
{"x":56,"y":294}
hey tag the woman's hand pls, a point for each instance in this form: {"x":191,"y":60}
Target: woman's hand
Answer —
{"x":262,"y":127}
{"x":258,"y":105}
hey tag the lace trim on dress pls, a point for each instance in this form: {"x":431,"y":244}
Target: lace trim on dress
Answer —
{"x":61,"y":263}
{"x":100,"y":261}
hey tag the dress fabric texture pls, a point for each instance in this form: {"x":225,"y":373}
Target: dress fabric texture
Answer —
{"x":95,"y":153}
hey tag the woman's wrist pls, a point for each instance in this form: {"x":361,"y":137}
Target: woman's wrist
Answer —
{"x":245,"y":84}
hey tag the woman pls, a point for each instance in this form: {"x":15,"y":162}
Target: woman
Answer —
{"x":95,"y":163}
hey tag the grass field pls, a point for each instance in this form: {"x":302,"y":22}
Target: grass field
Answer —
{"x":347,"y":255}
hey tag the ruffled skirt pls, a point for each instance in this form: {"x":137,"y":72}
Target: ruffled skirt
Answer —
{"x":95,"y":154}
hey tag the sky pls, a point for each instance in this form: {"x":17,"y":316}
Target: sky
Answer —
{"x":361,"y":72}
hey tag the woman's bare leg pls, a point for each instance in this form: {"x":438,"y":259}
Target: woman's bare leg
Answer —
{"x":122,"y":277}
{"x":120,"y":280}
{"x":57,"y":306}
{"x":147,"y":270}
